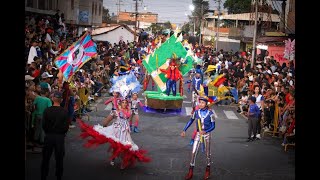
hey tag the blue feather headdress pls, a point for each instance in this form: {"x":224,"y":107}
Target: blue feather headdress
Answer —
{"x":125,"y":84}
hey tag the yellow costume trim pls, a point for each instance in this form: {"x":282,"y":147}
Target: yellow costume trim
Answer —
{"x":210,"y":68}
{"x":216,"y":80}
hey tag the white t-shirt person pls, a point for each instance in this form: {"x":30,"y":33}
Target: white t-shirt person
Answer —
{"x":32,"y":53}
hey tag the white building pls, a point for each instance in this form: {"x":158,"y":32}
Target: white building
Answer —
{"x":113,"y":34}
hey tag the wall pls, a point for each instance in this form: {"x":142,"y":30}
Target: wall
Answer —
{"x":277,"y":52}
{"x":115,"y":36}
{"x":144,"y":17}
{"x":290,"y":16}
{"x":228,"y":46}
{"x":81,"y":12}
{"x":70,"y":8}
{"x":248,"y":31}
{"x":41,"y":6}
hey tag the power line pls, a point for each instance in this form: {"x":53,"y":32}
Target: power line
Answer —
{"x":285,"y":13}
{"x":119,"y":4}
{"x":281,"y":18}
{"x":218,"y":24}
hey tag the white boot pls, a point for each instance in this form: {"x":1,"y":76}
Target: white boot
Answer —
{"x":258,"y":136}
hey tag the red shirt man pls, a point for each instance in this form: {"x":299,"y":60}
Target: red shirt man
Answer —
{"x":172,"y":72}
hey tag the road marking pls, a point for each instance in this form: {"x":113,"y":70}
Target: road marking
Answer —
{"x":215,"y":114}
{"x":188,"y":110}
{"x":189,"y":102}
{"x":230,"y":114}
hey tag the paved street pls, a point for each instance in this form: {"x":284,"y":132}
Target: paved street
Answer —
{"x":233,"y":157}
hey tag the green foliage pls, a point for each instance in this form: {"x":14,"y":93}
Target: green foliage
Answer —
{"x":106,"y":18}
{"x":200,"y":9}
{"x":186,"y":27}
{"x":155,"y":28}
{"x":237,"y":6}
{"x":167,"y":25}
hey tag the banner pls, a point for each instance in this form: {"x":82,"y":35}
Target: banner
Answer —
{"x":73,"y":58}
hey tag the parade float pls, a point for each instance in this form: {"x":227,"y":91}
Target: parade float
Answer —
{"x":170,"y":53}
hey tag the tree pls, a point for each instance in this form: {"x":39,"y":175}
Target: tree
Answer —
{"x":167,"y":25}
{"x":237,"y":6}
{"x":186,"y":27}
{"x":154,"y":28}
{"x":106,"y":18}
{"x":201,"y":8}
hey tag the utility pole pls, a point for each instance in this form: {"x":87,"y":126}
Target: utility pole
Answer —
{"x":254,"y":34}
{"x":136,"y":20}
{"x":218,"y":24}
{"x":119,"y":4}
{"x":200,"y":30}
{"x":194,"y":26}
{"x":283,"y":14}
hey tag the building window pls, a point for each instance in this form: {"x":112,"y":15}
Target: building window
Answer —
{"x":41,"y":4}
{"x":72,"y":4}
{"x":29,"y":3}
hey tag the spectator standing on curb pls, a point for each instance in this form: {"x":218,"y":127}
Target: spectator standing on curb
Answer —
{"x":55,"y":125}
{"x":253,"y":115}
{"x":40,"y":104}
{"x":260,"y":103}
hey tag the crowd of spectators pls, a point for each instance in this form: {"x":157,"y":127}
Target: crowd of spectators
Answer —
{"x":48,"y":36}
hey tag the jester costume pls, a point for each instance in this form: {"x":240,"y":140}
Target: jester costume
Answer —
{"x":205,"y":120}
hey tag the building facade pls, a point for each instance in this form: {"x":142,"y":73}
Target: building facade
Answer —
{"x":290,"y":17}
{"x":144,"y":20}
{"x":78,"y":12}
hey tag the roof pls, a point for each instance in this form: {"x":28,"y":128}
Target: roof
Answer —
{"x":268,"y":39}
{"x":221,"y":29}
{"x":245,"y":17}
{"x":112,"y":27}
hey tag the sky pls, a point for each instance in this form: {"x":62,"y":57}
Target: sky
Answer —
{"x":168,"y":10}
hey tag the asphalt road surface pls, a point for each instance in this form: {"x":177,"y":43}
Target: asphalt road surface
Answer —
{"x":232,"y":157}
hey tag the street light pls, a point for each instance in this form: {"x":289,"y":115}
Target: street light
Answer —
{"x":202,"y":19}
{"x":191,"y":7}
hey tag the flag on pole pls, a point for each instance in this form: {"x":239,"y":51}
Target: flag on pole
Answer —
{"x":73,"y":58}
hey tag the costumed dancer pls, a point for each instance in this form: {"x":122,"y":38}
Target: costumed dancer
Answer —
{"x":134,"y":114}
{"x":197,"y":91}
{"x":173,"y":75}
{"x":189,"y":83}
{"x":118,"y":133}
{"x":205,"y":121}
{"x":114,"y":100}
{"x":196,"y":83}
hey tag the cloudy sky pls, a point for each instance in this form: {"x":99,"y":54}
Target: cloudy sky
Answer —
{"x":168,"y":10}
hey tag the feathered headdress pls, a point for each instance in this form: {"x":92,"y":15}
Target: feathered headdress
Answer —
{"x":125,"y":84}
{"x":175,"y":61}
